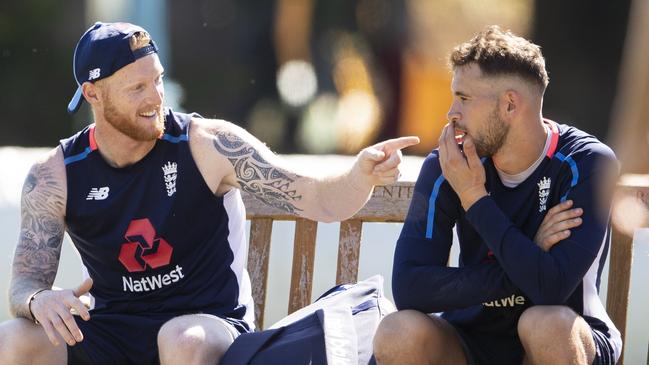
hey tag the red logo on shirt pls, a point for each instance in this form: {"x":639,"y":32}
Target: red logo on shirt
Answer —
{"x":143,"y":247}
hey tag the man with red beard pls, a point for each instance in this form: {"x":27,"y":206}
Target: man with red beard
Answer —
{"x":530,"y":201}
{"x":151,"y":200}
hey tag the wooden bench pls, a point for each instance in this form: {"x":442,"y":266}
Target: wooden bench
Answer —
{"x":390,"y":204}
{"x":630,"y":212}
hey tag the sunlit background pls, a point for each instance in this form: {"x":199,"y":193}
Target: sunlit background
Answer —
{"x":309,"y":76}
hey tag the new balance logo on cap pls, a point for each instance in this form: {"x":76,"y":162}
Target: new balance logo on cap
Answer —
{"x":94,"y":74}
{"x":98,"y":193}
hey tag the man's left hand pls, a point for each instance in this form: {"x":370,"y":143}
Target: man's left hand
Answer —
{"x":464,"y":171}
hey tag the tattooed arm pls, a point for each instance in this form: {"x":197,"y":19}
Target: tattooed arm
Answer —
{"x":246,"y":163}
{"x":36,"y":258}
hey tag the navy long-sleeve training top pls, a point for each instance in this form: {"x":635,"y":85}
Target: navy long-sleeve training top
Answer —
{"x":501,"y":271}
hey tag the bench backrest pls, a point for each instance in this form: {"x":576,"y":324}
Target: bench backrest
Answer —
{"x":387,"y":204}
{"x":630,"y":211}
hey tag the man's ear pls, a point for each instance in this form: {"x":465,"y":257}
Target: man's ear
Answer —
{"x":511,"y":101}
{"x":91,"y":92}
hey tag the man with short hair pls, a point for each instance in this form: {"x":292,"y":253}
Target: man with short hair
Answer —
{"x":530,"y":200}
{"x":151,"y":200}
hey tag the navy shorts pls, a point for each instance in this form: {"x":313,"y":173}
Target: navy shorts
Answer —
{"x":125,"y":338}
{"x":489,"y":348}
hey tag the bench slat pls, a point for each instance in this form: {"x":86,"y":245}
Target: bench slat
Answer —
{"x":619,"y":274}
{"x":630,"y":211}
{"x":388,"y":203}
{"x":260,"y":233}
{"x":303,"y":258}
{"x":349,"y":247}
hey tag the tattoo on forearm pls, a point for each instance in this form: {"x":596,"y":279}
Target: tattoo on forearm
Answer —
{"x":256,"y":176}
{"x":41,"y":234}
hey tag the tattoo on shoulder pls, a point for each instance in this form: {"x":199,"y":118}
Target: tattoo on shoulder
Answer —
{"x":256,"y":176}
{"x":37,"y":254}
{"x":30,"y":183}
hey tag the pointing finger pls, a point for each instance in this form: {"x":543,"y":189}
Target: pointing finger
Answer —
{"x":397,"y":143}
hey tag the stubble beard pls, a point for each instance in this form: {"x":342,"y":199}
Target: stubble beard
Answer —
{"x":493,"y":136}
{"x":129,"y":125}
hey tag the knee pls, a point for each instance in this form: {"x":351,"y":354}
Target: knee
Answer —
{"x":541,"y":323}
{"x":180,"y":339}
{"x":16,"y":340}
{"x":413,"y":325}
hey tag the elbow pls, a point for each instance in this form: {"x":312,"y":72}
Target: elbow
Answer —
{"x":404,"y":302}
{"x":409,"y":298}
{"x":404,"y":292}
{"x":402,"y":297}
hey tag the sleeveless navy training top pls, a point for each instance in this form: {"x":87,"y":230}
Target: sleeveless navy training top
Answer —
{"x":153,"y":236}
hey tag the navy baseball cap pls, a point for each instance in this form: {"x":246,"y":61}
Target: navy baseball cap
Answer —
{"x":102,"y":50}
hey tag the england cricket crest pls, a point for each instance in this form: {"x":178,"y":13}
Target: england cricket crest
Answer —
{"x":170,"y":170}
{"x":544,"y":192}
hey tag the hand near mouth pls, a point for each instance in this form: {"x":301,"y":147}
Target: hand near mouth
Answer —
{"x":459,"y":134}
{"x":462,"y":168}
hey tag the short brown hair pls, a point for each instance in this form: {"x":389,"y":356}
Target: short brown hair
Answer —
{"x":139,"y":40}
{"x":499,"y":52}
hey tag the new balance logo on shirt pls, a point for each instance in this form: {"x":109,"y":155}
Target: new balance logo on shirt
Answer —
{"x":98,"y":193}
